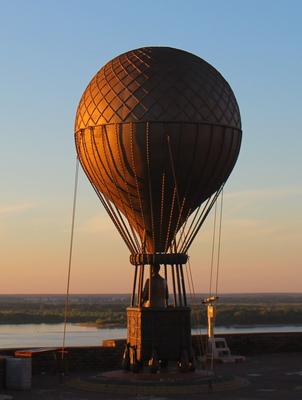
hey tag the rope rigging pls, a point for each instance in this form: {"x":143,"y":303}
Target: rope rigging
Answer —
{"x":216,"y":238}
{"x":76,"y":179}
{"x":214,"y":270}
{"x":213,"y":249}
{"x":219,"y":245}
{"x":211,"y":301}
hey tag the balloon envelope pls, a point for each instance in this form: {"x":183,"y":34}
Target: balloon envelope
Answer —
{"x":157,"y":131}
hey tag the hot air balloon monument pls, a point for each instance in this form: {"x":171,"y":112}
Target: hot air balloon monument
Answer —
{"x":158,"y":132}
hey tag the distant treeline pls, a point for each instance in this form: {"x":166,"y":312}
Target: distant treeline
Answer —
{"x":34,"y":313}
{"x":265,"y":314}
{"x":105,"y":314}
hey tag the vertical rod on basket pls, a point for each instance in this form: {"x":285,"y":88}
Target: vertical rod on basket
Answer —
{"x":140,"y":283}
{"x":183,"y":284}
{"x":166,"y":279}
{"x":142,"y":286}
{"x":134,"y":286}
{"x":174,"y":286}
{"x":178,"y":285}
{"x":150,"y":285}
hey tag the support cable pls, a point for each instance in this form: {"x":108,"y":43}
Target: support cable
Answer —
{"x":118,"y":144}
{"x":70,"y":256}
{"x":217,"y":265}
{"x":219,"y":244}
{"x":192,"y":290}
{"x":186,"y":193}
{"x":180,"y":205}
{"x":188,"y":243}
{"x":175,"y":196}
{"x":193,"y":224}
{"x":213,"y":249}
{"x":117,"y":186}
{"x":162,"y":199}
{"x":167,"y":245}
{"x":96,"y":175}
{"x":137,"y":185}
{"x":179,"y":237}
{"x":210,"y":284}
{"x":150,"y":192}
{"x":106,"y":203}
{"x":173,"y":171}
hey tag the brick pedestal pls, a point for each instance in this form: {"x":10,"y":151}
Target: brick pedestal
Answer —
{"x":166,"y":330}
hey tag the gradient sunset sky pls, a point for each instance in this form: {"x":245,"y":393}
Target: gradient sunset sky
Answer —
{"x":50,"y":50}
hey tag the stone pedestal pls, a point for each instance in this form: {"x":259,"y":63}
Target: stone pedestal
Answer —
{"x":164,"y":330}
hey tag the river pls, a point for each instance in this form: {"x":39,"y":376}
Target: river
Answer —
{"x":39,"y":335}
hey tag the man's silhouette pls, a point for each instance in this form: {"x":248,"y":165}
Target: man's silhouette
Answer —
{"x":159,"y":290}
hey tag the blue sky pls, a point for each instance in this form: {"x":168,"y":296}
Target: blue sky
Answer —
{"x":49,"y":52}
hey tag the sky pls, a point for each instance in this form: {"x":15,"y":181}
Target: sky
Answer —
{"x":49,"y":51}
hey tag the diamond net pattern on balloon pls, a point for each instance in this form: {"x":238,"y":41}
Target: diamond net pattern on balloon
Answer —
{"x":158,"y":84}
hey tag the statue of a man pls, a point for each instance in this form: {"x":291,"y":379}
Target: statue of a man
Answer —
{"x":159,"y":290}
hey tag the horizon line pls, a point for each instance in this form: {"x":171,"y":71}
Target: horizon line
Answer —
{"x":129,"y":294}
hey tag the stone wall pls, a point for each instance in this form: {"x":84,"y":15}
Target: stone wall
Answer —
{"x":249,"y":344}
{"x":109,"y":354}
{"x":96,"y":358}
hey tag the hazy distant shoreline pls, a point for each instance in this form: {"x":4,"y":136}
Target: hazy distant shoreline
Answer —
{"x":108,"y":311}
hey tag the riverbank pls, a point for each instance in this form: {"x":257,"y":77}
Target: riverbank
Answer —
{"x":101,"y":325}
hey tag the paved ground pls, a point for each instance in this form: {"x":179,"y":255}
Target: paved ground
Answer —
{"x":277,"y":376}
